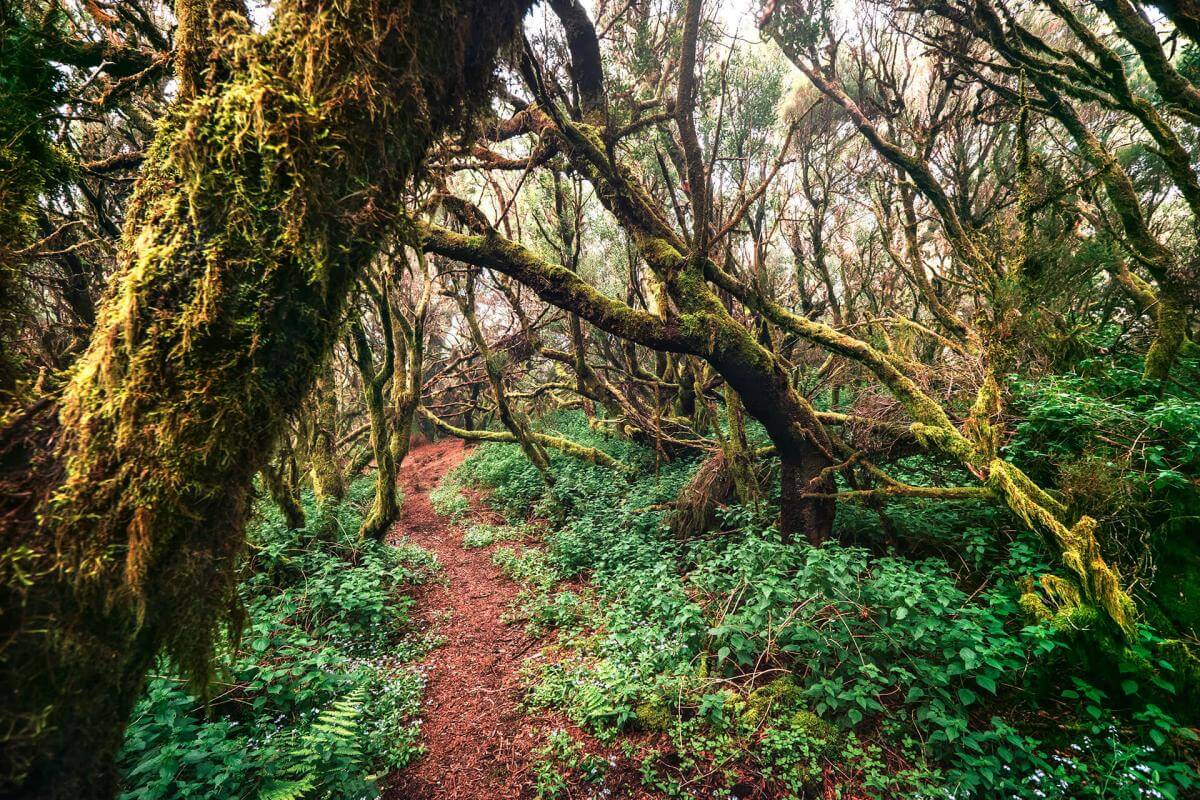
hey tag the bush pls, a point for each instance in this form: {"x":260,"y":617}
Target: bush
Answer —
{"x":902,"y":677}
{"x":316,"y":699}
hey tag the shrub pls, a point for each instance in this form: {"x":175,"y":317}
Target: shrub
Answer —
{"x":903,"y":677}
{"x":316,"y":699}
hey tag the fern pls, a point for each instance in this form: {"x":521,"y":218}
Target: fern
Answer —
{"x":338,"y":727}
{"x":330,"y":746}
{"x":287,"y":790}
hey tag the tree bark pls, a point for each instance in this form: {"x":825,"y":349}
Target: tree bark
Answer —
{"x":799,"y":515}
{"x":328,"y":477}
{"x":282,"y":494}
{"x":242,"y":242}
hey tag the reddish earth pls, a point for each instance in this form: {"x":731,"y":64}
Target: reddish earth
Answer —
{"x":478,"y":742}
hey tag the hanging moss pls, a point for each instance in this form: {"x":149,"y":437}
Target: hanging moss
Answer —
{"x":980,"y":426}
{"x":1077,"y":546}
{"x":260,"y":202}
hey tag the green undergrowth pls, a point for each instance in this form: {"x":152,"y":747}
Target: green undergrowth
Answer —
{"x":483,"y":535}
{"x":448,"y":500}
{"x":319,"y":698}
{"x":1130,"y":457}
{"x":741,"y":657}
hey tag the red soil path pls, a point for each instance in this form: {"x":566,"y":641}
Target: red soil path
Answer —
{"x":477,"y":739}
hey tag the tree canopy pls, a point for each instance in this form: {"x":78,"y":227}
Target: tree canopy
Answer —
{"x":852,"y":275}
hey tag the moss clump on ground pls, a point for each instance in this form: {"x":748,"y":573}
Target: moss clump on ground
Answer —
{"x":655,"y":715}
{"x":781,"y":693}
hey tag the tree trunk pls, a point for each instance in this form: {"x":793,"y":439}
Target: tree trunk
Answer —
{"x":328,"y":477}
{"x":282,"y":494}
{"x":1170,"y":332}
{"x":738,"y":456}
{"x":233,"y":278}
{"x":803,"y":445}
{"x":513,"y":420}
{"x":812,"y":518}
{"x":409,"y":376}
{"x":385,"y":509}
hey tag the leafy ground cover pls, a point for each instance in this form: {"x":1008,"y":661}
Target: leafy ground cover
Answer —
{"x":318,"y":698}
{"x":737,"y":662}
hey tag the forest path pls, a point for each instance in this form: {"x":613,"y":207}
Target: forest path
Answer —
{"x":478,"y":741}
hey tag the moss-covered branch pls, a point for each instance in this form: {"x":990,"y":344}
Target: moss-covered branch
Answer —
{"x":563,"y":445}
{"x":556,"y":285}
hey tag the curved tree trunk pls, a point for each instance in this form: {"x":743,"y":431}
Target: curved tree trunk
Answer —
{"x":1170,"y":333}
{"x":233,"y":278}
{"x":409,"y":376}
{"x":512,"y":419}
{"x":385,"y":509}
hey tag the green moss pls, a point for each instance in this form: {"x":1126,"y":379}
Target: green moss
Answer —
{"x":946,"y":440}
{"x":979,"y":425}
{"x":781,"y":693}
{"x":260,"y":203}
{"x":655,"y":715}
{"x":1032,"y":603}
{"x":1171,"y":331}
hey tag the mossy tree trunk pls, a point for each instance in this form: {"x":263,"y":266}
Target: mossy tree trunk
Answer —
{"x":325,"y":468}
{"x":738,"y":455}
{"x":282,"y":494}
{"x":410,"y":366}
{"x":384,"y":509}
{"x":262,"y":199}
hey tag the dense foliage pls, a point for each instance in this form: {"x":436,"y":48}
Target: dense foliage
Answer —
{"x":841,"y":359}
{"x":318,"y":698}
{"x":839,"y":665}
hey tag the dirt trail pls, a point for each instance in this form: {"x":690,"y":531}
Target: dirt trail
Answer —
{"x":477,"y":739}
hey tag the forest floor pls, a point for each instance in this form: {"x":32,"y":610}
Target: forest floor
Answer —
{"x":478,"y":743}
